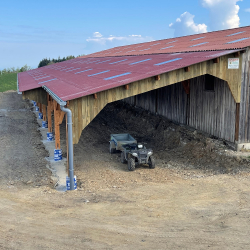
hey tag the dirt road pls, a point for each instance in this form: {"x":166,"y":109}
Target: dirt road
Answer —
{"x":198,"y":197}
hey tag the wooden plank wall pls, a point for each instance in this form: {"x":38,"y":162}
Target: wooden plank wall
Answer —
{"x":209,"y":111}
{"x":38,"y":95}
{"x":244,"y":123}
{"x":212,"y":111}
{"x":172,"y":102}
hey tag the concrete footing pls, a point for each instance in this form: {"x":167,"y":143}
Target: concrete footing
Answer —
{"x":58,"y":168}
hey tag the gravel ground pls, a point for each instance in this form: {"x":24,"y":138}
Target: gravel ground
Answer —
{"x":197,"y":197}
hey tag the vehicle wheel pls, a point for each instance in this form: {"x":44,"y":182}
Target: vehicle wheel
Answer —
{"x":131,"y":164}
{"x":123,"y":160}
{"x":112,"y":149}
{"x":151,"y":162}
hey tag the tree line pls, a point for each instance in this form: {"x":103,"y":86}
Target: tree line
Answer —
{"x":46,"y":61}
{"x":43,"y":62}
{"x":15,"y":70}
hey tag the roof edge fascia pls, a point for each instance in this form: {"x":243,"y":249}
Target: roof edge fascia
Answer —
{"x":54,"y":96}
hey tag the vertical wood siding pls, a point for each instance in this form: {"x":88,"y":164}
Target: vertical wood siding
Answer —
{"x":212,"y":111}
{"x":209,"y":111}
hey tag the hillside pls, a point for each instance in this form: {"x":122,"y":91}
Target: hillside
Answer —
{"x":8,"y":81}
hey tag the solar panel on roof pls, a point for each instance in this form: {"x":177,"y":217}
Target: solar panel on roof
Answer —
{"x":124,"y":74}
{"x":173,"y":60}
{"x":236,"y":33}
{"x":119,"y":61}
{"x":140,"y":61}
{"x":48,"y":81}
{"x":235,"y":41}
{"x":198,"y":38}
{"x":198,"y":44}
{"x":99,"y":73}
{"x":83,"y":71}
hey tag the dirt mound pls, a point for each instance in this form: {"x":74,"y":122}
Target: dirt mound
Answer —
{"x":187,"y":151}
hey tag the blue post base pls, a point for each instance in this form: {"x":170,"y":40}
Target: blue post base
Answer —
{"x":44,"y":124}
{"x":49,"y":136}
{"x":68,"y":182}
{"x":57,"y":154}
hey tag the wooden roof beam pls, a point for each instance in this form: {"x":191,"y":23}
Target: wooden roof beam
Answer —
{"x":95,"y":96}
{"x":187,"y":69}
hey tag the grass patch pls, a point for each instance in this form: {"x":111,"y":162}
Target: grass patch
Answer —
{"x":8,"y":81}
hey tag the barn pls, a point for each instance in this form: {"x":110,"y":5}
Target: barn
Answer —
{"x":200,"y":80}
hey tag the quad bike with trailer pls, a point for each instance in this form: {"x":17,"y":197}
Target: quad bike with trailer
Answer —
{"x":132,"y":153}
{"x":137,"y":154}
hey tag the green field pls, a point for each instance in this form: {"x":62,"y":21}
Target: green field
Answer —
{"x":8,"y":81}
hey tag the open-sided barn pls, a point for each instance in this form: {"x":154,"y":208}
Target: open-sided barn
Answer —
{"x":200,"y":80}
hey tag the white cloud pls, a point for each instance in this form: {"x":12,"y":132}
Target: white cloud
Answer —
{"x":247,"y":10}
{"x":185,"y":25}
{"x":97,"y":34}
{"x":223,"y":13}
{"x":98,"y":38}
{"x":100,"y":43}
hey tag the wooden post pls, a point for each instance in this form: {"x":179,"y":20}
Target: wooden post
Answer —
{"x":40,"y":107}
{"x":49,"y":109}
{"x":237,"y":121}
{"x":44,"y":112}
{"x":57,"y":125}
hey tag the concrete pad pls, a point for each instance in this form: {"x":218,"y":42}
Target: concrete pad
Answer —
{"x":58,"y":168}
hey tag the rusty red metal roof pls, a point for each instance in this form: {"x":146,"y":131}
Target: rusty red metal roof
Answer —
{"x":84,"y":76}
{"x":219,"y":40}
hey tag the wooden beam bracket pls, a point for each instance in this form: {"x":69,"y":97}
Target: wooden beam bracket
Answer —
{"x":216,"y":60}
{"x":237,"y":54}
{"x":126,"y":86}
{"x":187,"y":69}
{"x":95,"y":96}
{"x":158,"y":78}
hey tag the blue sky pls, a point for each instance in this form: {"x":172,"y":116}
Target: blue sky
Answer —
{"x":33,"y":30}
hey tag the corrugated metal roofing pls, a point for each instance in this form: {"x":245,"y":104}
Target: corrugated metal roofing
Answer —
{"x":219,"y":40}
{"x":84,"y":76}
